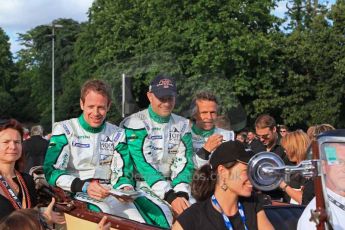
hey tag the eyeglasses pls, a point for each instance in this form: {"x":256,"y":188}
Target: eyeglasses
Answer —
{"x":283,"y":131}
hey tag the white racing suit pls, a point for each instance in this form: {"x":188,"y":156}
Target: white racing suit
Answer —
{"x":78,"y":153}
{"x":161,"y":148}
{"x":199,"y":137}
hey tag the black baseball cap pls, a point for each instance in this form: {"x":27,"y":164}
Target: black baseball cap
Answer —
{"x":230,"y":151}
{"x":163,"y":86}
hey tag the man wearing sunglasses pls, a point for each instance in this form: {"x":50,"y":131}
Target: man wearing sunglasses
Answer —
{"x":266,"y":131}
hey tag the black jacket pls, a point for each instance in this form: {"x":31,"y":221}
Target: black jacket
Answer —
{"x":34,"y":150}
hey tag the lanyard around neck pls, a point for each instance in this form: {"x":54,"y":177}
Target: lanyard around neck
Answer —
{"x":12,"y":197}
{"x":227,"y":222}
{"x":338,"y":204}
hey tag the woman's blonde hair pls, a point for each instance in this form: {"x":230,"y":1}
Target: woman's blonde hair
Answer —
{"x":296,"y":144}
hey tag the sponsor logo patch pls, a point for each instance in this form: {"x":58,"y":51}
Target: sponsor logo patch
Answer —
{"x":83,"y":137}
{"x":80,"y":145}
{"x":106,"y":144}
{"x":156,"y":137}
{"x":174,"y":134}
{"x":117,"y":136}
{"x":66,"y":129}
{"x":155,"y":148}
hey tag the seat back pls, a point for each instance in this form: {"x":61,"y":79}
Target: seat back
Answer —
{"x":284,"y":217}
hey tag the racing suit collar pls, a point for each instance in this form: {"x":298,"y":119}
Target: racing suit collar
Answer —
{"x":159,"y":119}
{"x":87,"y":127}
{"x":201,"y":132}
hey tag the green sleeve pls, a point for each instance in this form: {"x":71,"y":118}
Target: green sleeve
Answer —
{"x":135,"y":140}
{"x":127,"y":168}
{"x":186,"y":174}
{"x":54,"y":153}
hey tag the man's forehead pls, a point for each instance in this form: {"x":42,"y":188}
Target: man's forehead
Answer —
{"x":206,"y":104}
{"x":262,"y":130}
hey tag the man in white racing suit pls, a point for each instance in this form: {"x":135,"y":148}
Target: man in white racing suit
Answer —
{"x":161,"y":146}
{"x":88,"y":156}
{"x":205,"y":135}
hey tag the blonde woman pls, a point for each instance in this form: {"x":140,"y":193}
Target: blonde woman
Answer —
{"x":295,"y":144}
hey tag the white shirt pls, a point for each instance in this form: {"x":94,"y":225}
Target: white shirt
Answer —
{"x":338,"y":214}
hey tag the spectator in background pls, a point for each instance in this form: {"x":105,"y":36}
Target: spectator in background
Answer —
{"x":223,"y":122}
{"x":23,"y":219}
{"x":242,"y":137}
{"x":34,"y":148}
{"x":253,"y":143}
{"x":295,"y":144}
{"x":48,"y":136}
{"x":32,"y":219}
{"x":313,"y":132}
{"x":283,"y":130}
{"x":266,"y":131}
{"x":26,"y":134}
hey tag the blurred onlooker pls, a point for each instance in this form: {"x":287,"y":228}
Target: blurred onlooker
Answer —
{"x":283,"y":130}
{"x":23,"y":219}
{"x":241,"y":137}
{"x":48,"y":136}
{"x":26,"y":134}
{"x":253,"y":143}
{"x":295,"y":144}
{"x":315,"y":130}
{"x":223,"y":122}
{"x":34,"y":148}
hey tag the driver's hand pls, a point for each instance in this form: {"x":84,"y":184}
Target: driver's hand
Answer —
{"x":97,"y":191}
{"x":179,"y":205}
{"x":124,"y":198}
{"x":213,"y":142}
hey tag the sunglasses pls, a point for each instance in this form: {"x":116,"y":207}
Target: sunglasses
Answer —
{"x":283,"y":131}
{"x":265,"y":136}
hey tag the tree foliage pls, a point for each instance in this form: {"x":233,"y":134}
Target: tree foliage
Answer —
{"x":232,"y":48}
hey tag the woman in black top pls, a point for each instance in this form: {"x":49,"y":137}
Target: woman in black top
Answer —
{"x":17,"y":190}
{"x":224,"y":194}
